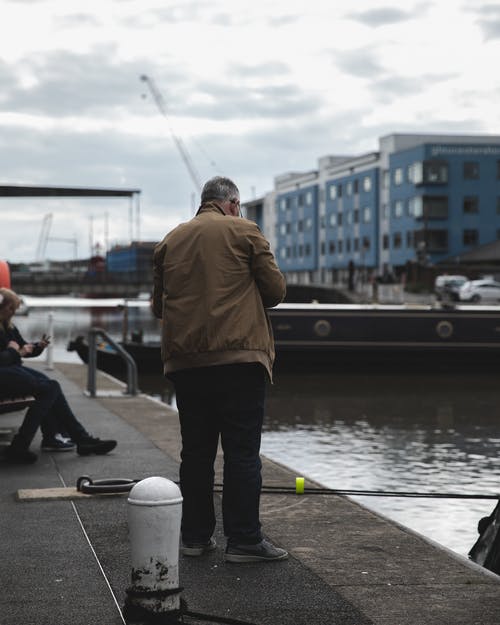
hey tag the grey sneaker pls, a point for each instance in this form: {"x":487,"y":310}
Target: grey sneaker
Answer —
{"x":261,"y":552}
{"x":198,"y":549}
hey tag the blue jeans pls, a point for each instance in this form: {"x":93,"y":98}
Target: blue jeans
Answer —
{"x":225,"y":401}
{"x":50,"y":412}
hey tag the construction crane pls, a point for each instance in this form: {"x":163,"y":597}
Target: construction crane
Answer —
{"x":45,"y":237}
{"x":162,"y":107}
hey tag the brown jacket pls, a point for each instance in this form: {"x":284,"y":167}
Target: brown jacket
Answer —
{"x":214,"y":276}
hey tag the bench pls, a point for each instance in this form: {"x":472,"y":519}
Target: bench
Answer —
{"x":13,"y":404}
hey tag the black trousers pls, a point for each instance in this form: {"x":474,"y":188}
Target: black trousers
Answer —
{"x":51,"y":411}
{"x":228,"y":402}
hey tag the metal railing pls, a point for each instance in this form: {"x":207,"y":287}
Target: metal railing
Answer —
{"x":132,"y":385}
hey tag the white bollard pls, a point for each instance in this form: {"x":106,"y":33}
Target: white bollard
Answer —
{"x":154,"y":518}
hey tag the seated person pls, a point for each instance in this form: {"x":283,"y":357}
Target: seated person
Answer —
{"x":61,"y":430}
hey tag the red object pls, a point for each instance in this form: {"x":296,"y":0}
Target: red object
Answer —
{"x":4,"y":274}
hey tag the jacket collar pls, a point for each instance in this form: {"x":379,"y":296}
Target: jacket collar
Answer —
{"x":210,"y":207}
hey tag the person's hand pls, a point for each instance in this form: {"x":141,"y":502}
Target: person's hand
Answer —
{"x":27,"y":349}
{"x":13,"y":345}
{"x":44,"y":341}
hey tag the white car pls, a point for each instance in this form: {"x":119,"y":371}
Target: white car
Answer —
{"x":480,"y":291}
{"x":447,"y":286}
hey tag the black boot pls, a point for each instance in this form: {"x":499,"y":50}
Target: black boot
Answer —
{"x":90,"y":445}
{"x":18,"y":453}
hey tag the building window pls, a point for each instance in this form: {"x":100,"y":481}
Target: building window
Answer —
{"x":367,"y":184}
{"x":471,"y":204}
{"x":431,"y":241}
{"x":356,"y":244}
{"x":322,"y":248}
{"x":471,"y":170}
{"x":301,"y":251}
{"x":367,"y":214}
{"x":416,"y":173}
{"x":356,"y":216}
{"x":309,"y":223}
{"x":396,"y":240}
{"x":385,"y":242}
{"x":415,"y":206}
{"x":348,"y":189}
{"x":332,"y":191}
{"x":349,"y":217}
{"x":333,"y":219}
{"x":348,"y":246}
{"x":435,"y":207}
{"x":340,"y":246}
{"x":366,"y":243}
{"x":309,"y":198}
{"x":398,"y":208}
{"x":398,"y":176}
{"x":308,"y":249}
{"x":339,"y":219}
{"x":283,"y":252}
{"x":339,"y":190}
{"x":322,"y":224}
{"x":331,"y":247}
{"x":385,"y":211}
{"x":409,"y":239}
{"x":283,"y":203}
{"x":355,"y":186}
{"x":470,"y":237}
{"x":435,"y":172}
{"x":300,"y":199}
{"x":283,"y":229}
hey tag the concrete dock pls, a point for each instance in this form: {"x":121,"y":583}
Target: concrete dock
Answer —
{"x":67,"y":560}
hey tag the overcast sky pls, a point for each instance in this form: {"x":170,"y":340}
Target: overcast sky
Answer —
{"x":253,"y":89}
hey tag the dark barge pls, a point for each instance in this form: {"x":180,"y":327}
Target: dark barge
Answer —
{"x":355,"y":337}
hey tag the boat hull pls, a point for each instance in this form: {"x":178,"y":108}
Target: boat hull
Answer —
{"x":354,"y":337}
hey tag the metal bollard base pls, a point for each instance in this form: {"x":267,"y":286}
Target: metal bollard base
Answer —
{"x":162,"y":606}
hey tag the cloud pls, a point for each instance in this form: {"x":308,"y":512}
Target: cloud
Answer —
{"x":224,"y":101}
{"x":488,"y":19}
{"x":64,"y":83}
{"x":381,"y":16}
{"x":387,"y":88}
{"x":359,"y":62}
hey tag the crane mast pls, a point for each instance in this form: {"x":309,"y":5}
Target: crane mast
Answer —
{"x":162,"y":107}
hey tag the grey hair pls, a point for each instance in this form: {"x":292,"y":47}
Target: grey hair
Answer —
{"x":219,"y":188}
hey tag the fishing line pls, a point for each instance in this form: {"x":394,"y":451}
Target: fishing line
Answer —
{"x":87,"y":485}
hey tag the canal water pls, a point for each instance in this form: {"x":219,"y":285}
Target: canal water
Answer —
{"x":420,"y":433}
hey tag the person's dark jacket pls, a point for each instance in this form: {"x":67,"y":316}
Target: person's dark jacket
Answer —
{"x":8,"y":355}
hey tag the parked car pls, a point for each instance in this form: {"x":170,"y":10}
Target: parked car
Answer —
{"x":480,"y":291}
{"x":448,"y":287}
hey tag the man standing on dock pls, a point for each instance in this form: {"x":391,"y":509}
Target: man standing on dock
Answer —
{"x":214,"y":276}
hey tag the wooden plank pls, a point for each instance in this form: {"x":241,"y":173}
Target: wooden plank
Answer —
{"x":62,"y":493}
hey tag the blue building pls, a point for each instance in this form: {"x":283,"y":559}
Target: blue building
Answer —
{"x":426,"y":198}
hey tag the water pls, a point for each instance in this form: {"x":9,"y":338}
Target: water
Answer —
{"x":379,"y":432}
